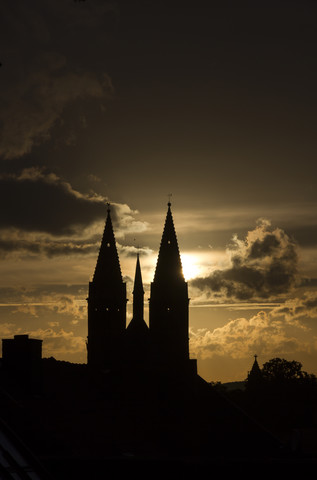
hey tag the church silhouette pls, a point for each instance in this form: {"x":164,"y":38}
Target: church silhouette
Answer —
{"x":164,"y":345}
{"x":138,"y":405}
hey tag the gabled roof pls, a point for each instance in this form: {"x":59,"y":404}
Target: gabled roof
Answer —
{"x":169,"y":266}
{"x":108,"y":269}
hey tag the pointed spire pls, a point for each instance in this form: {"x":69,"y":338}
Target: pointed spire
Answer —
{"x":138,"y":292}
{"x":108,"y":266}
{"x":137,"y":323}
{"x":138,"y":284}
{"x":169,"y":266}
{"x":255,"y":378}
{"x":255,"y":366}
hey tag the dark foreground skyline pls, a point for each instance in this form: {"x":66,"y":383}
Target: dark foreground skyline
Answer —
{"x":109,"y":101}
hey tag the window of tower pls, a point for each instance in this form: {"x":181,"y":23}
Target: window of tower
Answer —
{"x":107,"y":309}
{"x":108,"y":244}
{"x":169,"y":242}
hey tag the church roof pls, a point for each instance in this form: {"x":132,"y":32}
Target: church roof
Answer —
{"x":169,"y":266}
{"x":255,"y":370}
{"x":108,"y":266}
{"x":255,"y":375}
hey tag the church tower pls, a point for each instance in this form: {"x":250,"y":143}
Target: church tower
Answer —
{"x":137,"y":322}
{"x":137,"y":333}
{"x":106,"y":305}
{"x":168,"y":316}
{"x":255,"y":379}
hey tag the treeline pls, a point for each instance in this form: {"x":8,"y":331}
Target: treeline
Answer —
{"x":280,"y":395}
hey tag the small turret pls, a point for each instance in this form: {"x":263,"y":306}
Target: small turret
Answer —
{"x":255,"y":378}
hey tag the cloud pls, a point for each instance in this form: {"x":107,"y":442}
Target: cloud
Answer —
{"x":124,"y":220}
{"x":17,"y":242}
{"x":40,"y":201}
{"x":45,"y":215}
{"x":7,"y":330}
{"x":132,"y":251}
{"x":265,"y":334}
{"x":262,"y":266}
{"x":65,"y":305}
{"x":56,"y":314}
{"x":60,"y":343}
{"x":46,"y":55}
{"x":298,"y":308}
{"x":39,"y":103}
{"x":62,"y":300}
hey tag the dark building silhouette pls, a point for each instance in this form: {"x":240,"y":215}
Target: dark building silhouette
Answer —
{"x":255,"y":374}
{"x":21,"y":360}
{"x":106,"y":305}
{"x":137,"y":346}
{"x":254,"y":381}
{"x":164,"y":345}
{"x":169,"y":301}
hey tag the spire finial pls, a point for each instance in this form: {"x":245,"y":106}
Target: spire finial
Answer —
{"x":169,"y":199}
{"x":108,"y":207}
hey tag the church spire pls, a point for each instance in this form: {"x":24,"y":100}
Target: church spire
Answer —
{"x":168,"y":309}
{"x":138,"y":292}
{"x":255,"y":377}
{"x":169,"y":266}
{"x":106,"y":304}
{"x":137,"y":333}
{"x":108,"y":266}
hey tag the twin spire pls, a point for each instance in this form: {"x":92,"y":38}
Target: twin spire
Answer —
{"x":108,"y":265}
{"x":138,"y":299}
{"x":168,"y":267}
{"x":165,"y":341}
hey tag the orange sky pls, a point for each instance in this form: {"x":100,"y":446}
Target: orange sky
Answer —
{"x":126,"y":103}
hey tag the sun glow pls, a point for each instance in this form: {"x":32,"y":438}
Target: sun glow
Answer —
{"x":191,"y":268}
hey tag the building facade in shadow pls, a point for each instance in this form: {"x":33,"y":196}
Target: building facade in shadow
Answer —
{"x":22,"y":361}
{"x":106,"y":305}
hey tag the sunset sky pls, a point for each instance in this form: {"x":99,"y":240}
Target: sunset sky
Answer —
{"x":129,"y":101}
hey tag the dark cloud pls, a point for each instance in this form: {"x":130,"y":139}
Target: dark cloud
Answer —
{"x":263,"y":266}
{"x":30,"y":111}
{"x":37,"y":292}
{"x":306,"y":235}
{"x":50,"y":51}
{"x":302,"y":308}
{"x":42,"y":202}
{"x":264,"y":247}
{"x":48,"y":247}
{"x":45,"y":215}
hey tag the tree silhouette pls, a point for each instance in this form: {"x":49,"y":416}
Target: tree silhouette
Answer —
{"x":280,"y":371}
